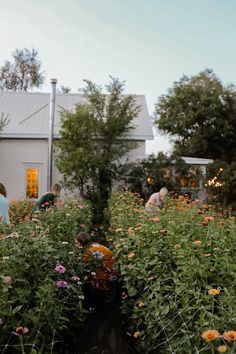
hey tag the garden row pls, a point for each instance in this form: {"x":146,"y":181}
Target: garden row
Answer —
{"x":179,"y":275}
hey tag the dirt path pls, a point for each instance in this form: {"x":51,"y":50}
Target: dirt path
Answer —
{"x":104,"y":333}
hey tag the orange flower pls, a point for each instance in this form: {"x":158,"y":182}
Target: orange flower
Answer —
{"x":177,"y":246}
{"x":198,"y":242}
{"x":156,"y":218}
{"x":131,"y":255}
{"x":210,"y":335}
{"x":208,"y":218}
{"x":222,"y":349}
{"x":206,"y":254}
{"x":213,"y":291}
{"x":130,"y":231}
{"x":136,"y":334}
{"x":229,"y":335}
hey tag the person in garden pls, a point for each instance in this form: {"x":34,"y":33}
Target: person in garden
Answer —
{"x":101,"y":286}
{"x":4,"y":205}
{"x":156,"y":200}
{"x":102,"y":260}
{"x":48,"y":199}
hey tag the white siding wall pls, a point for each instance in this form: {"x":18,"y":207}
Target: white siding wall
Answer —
{"x":16,"y":153}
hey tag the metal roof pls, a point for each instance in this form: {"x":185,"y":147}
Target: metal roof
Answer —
{"x":28,"y":114}
{"x":196,"y":160}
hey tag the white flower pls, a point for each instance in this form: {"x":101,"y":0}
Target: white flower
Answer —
{"x":5,"y":258}
{"x":65,"y":243}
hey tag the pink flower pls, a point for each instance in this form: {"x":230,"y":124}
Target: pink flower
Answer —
{"x":7,"y":280}
{"x":62,"y":284}
{"x":60,"y":268}
{"x":20,"y":330}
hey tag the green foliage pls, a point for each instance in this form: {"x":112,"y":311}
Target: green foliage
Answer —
{"x":169,"y":262}
{"x":29,"y":295}
{"x":93,"y":140}
{"x":199,"y":114}
{"x":23,"y":73}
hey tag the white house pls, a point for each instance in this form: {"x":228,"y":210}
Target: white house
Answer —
{"x":24,"y":141}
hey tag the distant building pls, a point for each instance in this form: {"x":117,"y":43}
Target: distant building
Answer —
{"x":24,"y":141}
{"x":193,"y":186}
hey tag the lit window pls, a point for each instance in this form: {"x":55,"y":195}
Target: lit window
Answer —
{"x":32,"y":182}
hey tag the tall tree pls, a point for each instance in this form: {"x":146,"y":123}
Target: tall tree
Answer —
{"x":92,"y":141}
{"x":199,"y":114}
{"x":23,"y":73}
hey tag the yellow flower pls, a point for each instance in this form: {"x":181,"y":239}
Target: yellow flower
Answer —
{"x":222,"y":349}
{"x":141,"y":304}
{"x":229,"y":335}
{"x":131,"y":255}
{"x":213,"y":291}
{"x":198,"y":242}
{"x":119,"y":229}
{"x":210,"y":335}
{"x":136,"y":334}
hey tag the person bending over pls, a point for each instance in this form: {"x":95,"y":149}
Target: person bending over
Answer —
{"x":156,"y":200}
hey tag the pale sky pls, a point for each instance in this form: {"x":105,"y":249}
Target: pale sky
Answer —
{"x":147,"y":43}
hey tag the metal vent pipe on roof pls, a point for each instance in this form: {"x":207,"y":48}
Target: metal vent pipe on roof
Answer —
{"x":50,"y":132}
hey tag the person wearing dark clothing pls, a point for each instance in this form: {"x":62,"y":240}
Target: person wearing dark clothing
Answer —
{"x":48,"y":199}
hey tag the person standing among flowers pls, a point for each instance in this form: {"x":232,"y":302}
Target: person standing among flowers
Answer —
{"x":48,"y":199}
{"x":4,"y":205}
{"x":156,"y":200}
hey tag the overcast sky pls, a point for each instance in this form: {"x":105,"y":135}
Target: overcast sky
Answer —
{"x":148,"y":43}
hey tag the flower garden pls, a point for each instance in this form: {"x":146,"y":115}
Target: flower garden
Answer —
{"x":177,"y":269}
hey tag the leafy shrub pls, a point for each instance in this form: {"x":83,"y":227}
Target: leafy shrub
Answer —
{"x":179,"y":274}
{"x":35,"y":294}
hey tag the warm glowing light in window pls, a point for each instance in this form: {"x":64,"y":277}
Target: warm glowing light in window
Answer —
{"x":32,"y":182}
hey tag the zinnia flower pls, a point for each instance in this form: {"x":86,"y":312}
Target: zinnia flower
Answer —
{"x":136,"y":334}
{"x":156,"y":218}
{"x":210,"y":335}
{"x":7,"y":280}
{"x":124,"y":295}
{"x":131,"y":255}
{"x":177,"y":246}
{"x":62,"y":284}
{"x":213,"y":292}
{"x":60,"y":268}
{"x":222,"y":349}
{"x":20,"y":330}
{"x":229,"y":335}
